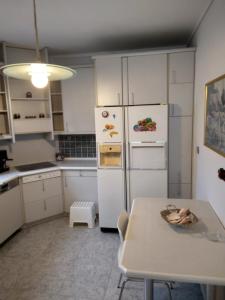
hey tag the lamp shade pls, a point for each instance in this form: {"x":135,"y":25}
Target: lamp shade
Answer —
{"x":25,"y":71}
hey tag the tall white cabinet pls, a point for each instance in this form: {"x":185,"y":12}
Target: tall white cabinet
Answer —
{"x":181,"y":87}
{"x":151,"y":78}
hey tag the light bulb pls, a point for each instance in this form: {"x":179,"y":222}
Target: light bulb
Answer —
{"x":39,"y":75}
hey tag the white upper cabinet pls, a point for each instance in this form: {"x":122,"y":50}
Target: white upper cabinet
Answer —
{"x":181,"y":67}
{"x":108,"y":81}
{"x":147,"y":79}
{"x":79,"y":102}
{"x":181,"y":99}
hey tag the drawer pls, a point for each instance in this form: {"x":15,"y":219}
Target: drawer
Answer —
{"x":80,"y":173}
{"x":41,"y":176}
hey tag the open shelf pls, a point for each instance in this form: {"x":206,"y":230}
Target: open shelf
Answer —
{"x":57,"y":107}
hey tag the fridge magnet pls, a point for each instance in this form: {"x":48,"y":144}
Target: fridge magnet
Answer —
{"x":215,"y":115}
{"x":112,"y":133}
{"x":105,"y":114}
{"x":108,"y":127}
{"x":145,"y":125}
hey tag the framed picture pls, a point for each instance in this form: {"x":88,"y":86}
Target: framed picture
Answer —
{"x":215,"y":115}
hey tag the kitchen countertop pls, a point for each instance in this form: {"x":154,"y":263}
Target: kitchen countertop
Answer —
{"x":77,"y":164}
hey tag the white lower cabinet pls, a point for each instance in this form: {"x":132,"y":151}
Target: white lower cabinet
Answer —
{"x":79,"y":185}
{"x":42,"y":198}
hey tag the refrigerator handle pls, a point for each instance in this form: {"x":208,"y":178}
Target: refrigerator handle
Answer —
{"x":143,"y":144}
{"x":132,"y":97}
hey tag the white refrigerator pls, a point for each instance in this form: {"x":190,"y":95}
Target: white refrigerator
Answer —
{"x":132,"y":157}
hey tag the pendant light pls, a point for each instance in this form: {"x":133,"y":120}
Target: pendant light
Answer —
{"x":38,"y":72}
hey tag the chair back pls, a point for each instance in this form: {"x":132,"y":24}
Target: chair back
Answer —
{"x":122,"y":225}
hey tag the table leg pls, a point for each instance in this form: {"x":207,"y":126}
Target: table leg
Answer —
{"x":148,"y":289}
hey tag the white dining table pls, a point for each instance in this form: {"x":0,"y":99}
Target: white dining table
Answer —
{"x":156,"y":250}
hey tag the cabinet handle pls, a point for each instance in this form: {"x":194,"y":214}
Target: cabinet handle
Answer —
{"x":65,"y":182}
{"x":171,"y":109}
{"x":173,"y":76}
{"x":119,"y":100}
{"x":132,"y":97}
{"x":45,"y":206}
{"x":43,"y":186}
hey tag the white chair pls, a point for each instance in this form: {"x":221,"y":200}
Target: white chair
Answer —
{"x":122,"y":228}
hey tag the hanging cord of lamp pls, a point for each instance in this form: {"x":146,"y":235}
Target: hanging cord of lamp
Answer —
{"x":38,"y":72}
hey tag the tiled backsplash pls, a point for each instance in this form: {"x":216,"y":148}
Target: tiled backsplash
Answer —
{"x":77,"y":145}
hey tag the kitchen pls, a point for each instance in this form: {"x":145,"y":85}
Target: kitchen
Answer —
{"x":48,"y":125}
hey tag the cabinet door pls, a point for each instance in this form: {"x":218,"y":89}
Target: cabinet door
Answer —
{"x":80,"y":187}
{"x":180,"y":149}
{"x":53,"y":205}
{"x":180,"y":191}
{"x":53,"y":202}
{"x":181,"y":99}
{"x":181,"y":67}
{"x":11,"y":212}
{"x":108,"y":81}
{"x":33,"y":196}
{"x":147,"y":76}
{"x":79,"y":102}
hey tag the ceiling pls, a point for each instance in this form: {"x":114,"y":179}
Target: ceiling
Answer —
{"x":82,"y":26}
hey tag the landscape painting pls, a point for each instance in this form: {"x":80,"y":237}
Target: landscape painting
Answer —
{"x":215,"y":115}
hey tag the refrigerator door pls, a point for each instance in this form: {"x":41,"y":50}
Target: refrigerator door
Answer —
{"x":109,"y":124}
{"x":111,"y":196}
{"x":147,"y":123}
{"x":148,"y":156}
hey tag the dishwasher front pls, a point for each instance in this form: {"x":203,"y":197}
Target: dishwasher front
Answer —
{"x":11,"y":209}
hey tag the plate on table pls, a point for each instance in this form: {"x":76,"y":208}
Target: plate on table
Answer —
{"x":178,"y":216}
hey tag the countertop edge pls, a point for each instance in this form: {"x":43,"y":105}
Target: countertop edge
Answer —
{"x":16,"y":174}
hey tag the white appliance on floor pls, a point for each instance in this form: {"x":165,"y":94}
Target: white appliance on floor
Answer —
{"x":132,"y":157}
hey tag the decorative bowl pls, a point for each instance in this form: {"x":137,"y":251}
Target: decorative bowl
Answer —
{"x":192,"y":219}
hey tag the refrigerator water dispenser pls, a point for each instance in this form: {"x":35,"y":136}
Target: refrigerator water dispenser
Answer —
{"x":110,"y":156}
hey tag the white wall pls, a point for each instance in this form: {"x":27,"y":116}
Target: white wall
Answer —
{"x":29,"y":149}
{"x":210,"y":63}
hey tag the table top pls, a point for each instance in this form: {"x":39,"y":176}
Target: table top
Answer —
{"x":157,"y":250}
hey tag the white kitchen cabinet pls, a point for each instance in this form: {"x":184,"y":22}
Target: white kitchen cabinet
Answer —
{"x":11,"y":210}
{"x":180,"y":191}
{"x":42,"y":198}
{"x":80,"y":185}
{"x":147,"y":79}
{"x":78,"y":96}
{"x":181,"y":67}
{"x":181,"y":99}
{"x":180,"y":149}
{"x":108,"y":72}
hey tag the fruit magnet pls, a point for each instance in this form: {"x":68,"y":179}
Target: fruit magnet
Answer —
{"x":145,"y":125}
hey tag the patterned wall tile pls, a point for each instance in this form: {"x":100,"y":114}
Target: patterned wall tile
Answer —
{"x":78,"y":146}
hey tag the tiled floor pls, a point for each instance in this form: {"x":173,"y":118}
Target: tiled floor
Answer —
{"x":51,"y":261}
